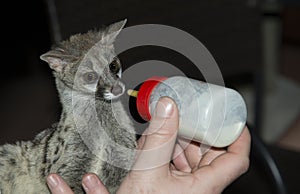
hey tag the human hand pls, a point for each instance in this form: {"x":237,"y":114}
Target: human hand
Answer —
{"x":190,"y":170}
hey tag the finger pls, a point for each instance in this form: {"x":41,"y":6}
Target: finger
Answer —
{"x":57,"y":185}
{"x":92,"y":184}
{"x":180,"y":160}
{"x":210,"y":156}
{"x":159,"y":144}
{"x":242,"y":145}
{"x":227,"y":167}
{"x":192,"y":152}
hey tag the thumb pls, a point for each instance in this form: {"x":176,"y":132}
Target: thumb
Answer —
{"x":159,"y":138}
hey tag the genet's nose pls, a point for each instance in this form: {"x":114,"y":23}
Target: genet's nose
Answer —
{"x":117,"y":90}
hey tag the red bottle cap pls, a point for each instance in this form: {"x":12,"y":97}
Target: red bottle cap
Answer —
{"x":143,"y":97}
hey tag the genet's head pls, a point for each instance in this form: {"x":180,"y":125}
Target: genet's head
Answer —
{"x":87,"y":63}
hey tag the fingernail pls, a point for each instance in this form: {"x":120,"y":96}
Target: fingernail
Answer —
{"x":89,"y":182}
{"x":52,"y":181}
{"x":164,"y":108}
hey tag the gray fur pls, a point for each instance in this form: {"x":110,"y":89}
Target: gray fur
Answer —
{"x":92,"y":118}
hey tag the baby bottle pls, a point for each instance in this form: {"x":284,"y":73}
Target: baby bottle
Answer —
{"x":211,"y":114}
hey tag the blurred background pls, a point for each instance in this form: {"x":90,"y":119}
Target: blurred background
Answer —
{"x":255,"y":43}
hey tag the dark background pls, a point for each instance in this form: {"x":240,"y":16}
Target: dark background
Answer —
{"x":231,"y":30}
{"x":29,"y":101}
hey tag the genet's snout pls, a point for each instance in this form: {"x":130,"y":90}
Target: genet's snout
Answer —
{"x":117,"y":89}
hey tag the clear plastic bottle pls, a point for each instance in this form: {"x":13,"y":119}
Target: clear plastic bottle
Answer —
{"x":208,"y":113}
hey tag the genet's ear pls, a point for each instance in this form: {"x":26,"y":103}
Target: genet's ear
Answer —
{"x":113,"y":31}
{"x":57,"y":59}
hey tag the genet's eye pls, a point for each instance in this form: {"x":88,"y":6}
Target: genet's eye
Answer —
{"x":114,"y":67}
{"x":90,"y":77}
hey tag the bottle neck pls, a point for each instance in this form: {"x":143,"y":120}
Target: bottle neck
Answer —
{"x":144,"y":94}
